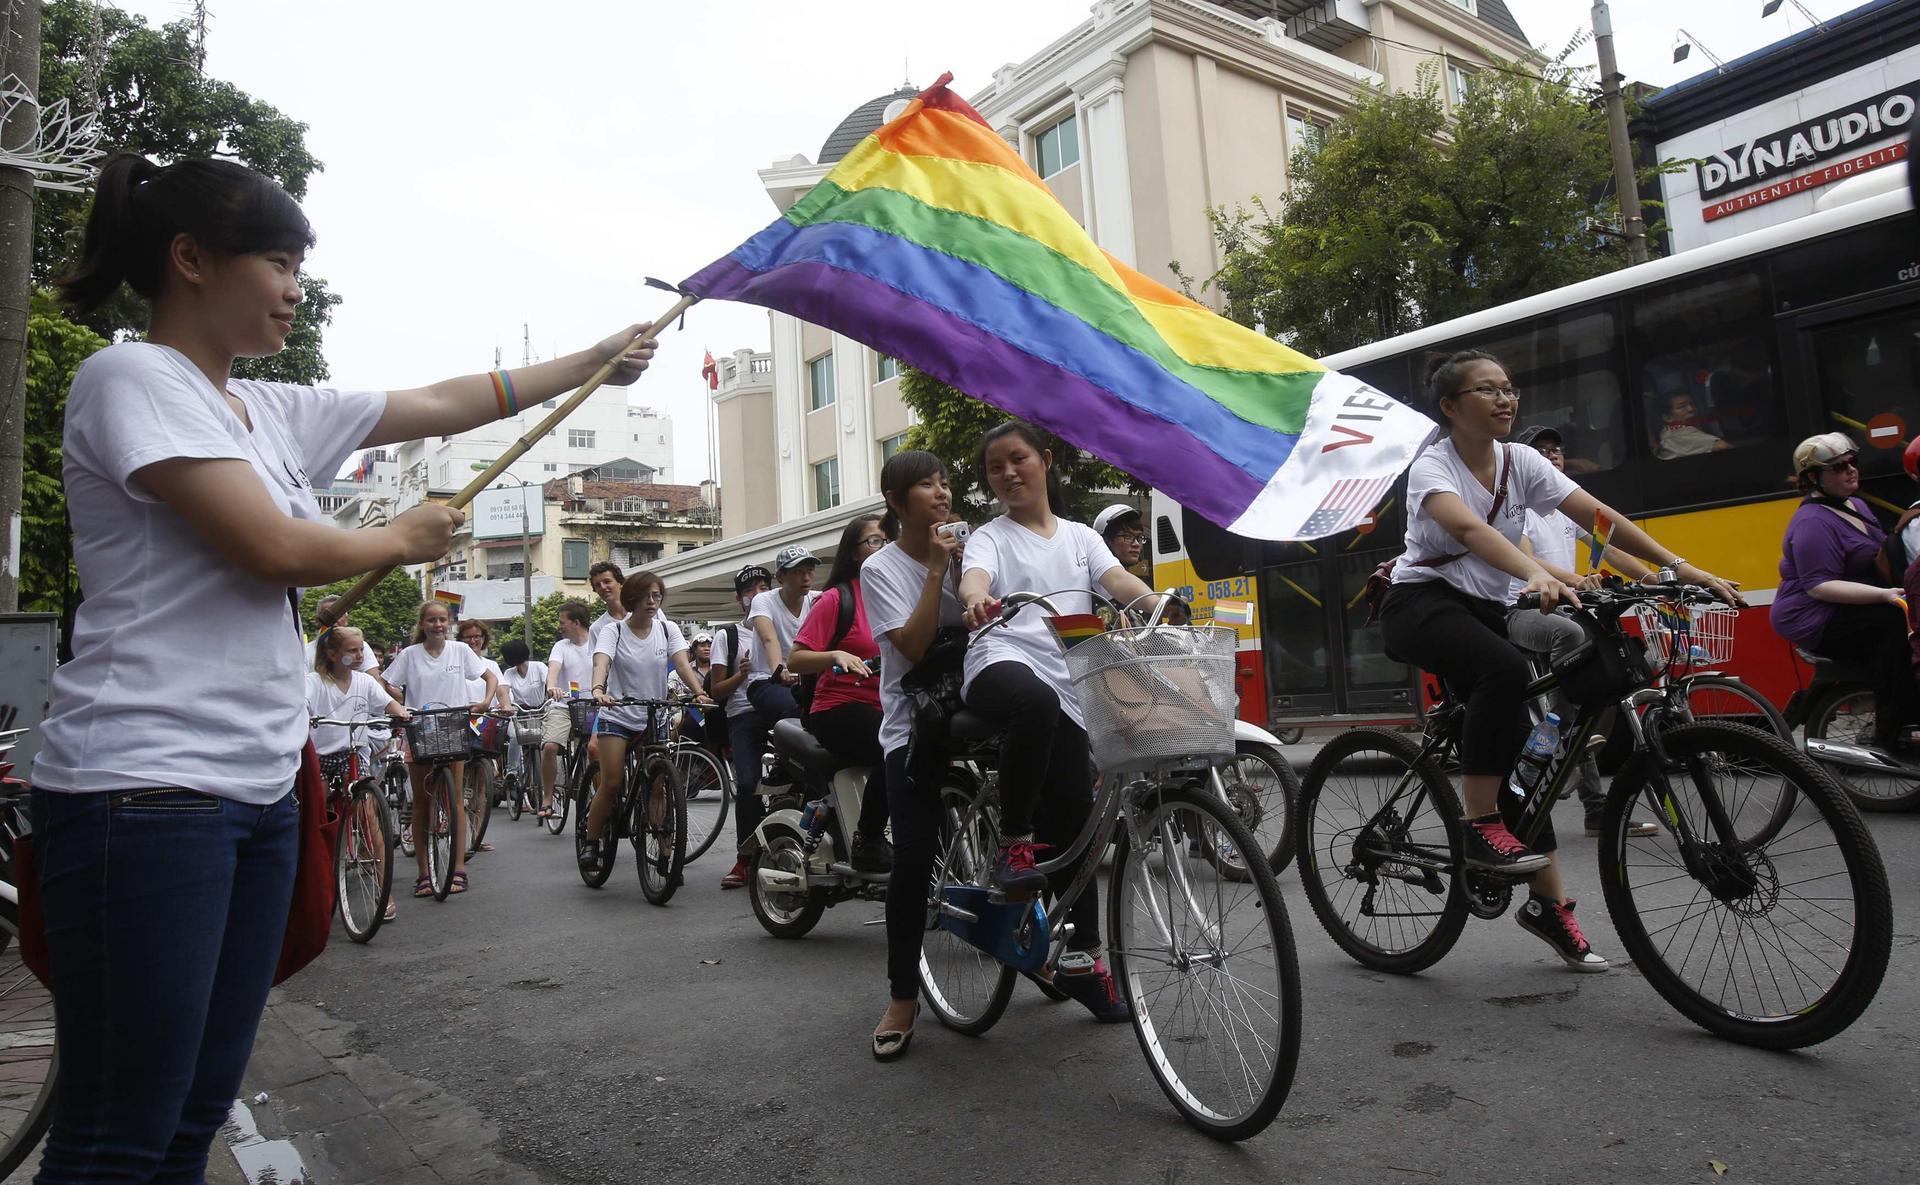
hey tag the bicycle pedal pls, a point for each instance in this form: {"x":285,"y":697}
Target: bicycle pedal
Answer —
{"x":1002,"y":897}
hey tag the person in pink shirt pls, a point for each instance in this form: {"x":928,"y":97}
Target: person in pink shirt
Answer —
{"x":845,"y":715}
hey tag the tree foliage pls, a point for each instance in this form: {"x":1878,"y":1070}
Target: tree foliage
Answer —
{"x":546,"y":626}
{"x":55,"y":349}
{"x":1398,"y":217}
{"x":386,"y":617}
{"x":951,"y":425}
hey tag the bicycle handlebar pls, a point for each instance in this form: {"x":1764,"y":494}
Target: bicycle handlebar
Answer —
{"x":1627,"y":595}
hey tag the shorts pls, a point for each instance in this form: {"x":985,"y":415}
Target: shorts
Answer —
{"x":555,"y":725}
{"x":603,"y":727}
{"x":333,"y":766}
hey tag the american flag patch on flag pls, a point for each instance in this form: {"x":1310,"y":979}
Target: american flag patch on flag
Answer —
{"x":1346,"y":505}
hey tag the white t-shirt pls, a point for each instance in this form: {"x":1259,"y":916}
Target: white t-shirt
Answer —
{"x":1016,"y":559}
{"x":601,"y":622}
{"x":575,"y":663}
{"x":1556,"y":542}
{"x":369,"y":661}
{"x":363,"y":698}
{"x":186,"y":671}
{"x":1533,"y":484}
{"x":529,"y":690}
{"x":737,"y":703}
{"x":638,"y":666}
{"x":891,"y":582}
{"x":786,"y":626}
{"x":477,"y":688}
{"x":1910,"y":537}
{"x":442,"y":681}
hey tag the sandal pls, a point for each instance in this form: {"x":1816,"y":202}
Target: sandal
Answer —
{"x":544,"y":814}
{"x":423,"y":887}
{"x":393,"y":911}
{"x":891,"y":1044}
{"x":484,"y":847}
{"x":458,"y":884}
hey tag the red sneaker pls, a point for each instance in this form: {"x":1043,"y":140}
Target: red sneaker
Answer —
{"x":736,"y":878}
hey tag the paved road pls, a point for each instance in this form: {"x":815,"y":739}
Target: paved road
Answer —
{"x":543,"y":1031}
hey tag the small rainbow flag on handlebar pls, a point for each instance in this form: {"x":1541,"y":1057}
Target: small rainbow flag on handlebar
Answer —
{"x":1074,"y":628}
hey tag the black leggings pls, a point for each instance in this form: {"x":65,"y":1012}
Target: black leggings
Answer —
{"x":1046,"y":775}
{"x":913,"y":806}
{"x":1462,"y":640}
{"x":1875,"y":636}
{"x":851,"y":732}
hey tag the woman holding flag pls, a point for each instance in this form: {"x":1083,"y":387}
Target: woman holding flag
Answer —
{"x":1467,"y":501}
{"x":1017,"y":676}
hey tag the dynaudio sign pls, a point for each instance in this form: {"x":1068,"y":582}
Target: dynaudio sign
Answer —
{"x":1838,"y":171}
{"x":1833,"y":134}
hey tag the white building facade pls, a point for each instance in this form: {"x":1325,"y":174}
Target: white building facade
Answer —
{"x":605,"y":429}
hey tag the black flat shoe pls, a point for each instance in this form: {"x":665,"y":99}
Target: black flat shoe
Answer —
{"x":891,"y":1044}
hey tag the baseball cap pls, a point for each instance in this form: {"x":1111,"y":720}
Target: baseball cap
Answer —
{"x":1529,"y":436}
{"x":1824,"y":449}
{"x":1106,"y":519}
{"x":793,"y":556}
{"x":749,"y":574}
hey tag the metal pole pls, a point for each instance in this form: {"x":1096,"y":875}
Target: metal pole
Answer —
{"x":526,"y":564}
{"x":20,"y":58}
{"x":1626,"y":184}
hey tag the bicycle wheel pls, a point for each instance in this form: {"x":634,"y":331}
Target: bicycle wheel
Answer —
{"x":1208,"y":964}
{"x":1778,"y":944}
{"x":607,"y":846}
{"x":658,"y":823}
{"x":1261,"y":787}
{"x":400,"y":806}
{"x":478,"y":800}
{"x":1847,"y":714}
{"x":29,"y":1061}
{"x":966,"y":988}
{"x":1379,"y":839}
{"x":363,"y":863}
{"x":510,"y":785}
{"x":709,"y":797}
{"x":441,"y":805}
{"x":1727,"y":700}
{"x":562,"y":798}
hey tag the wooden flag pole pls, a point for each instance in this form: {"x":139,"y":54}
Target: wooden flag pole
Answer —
{"x":518,"y":449}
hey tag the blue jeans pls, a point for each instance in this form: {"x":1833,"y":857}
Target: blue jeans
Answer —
{"x":165,"y":912}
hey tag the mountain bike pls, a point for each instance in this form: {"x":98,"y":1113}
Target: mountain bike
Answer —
{"x":363,"y":861}
{"x":1775,"y":936}
{"x":29,"y":1057}
{"x":709,"y":786}
{"x":1206,"y":961}
{"x":650,"y":810}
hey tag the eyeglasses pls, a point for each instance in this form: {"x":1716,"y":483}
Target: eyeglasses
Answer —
{"x":874,"y":541}
{"x":1130,"y":537}
{"x":653,"y":594}
{"x":1491,"y":391}
{"x":1550,"y":450}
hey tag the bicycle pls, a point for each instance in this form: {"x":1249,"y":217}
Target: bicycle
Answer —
{"x":1380,"y":849}
{"x":478,"y":778}
{"x":709,"y":786}
{"x":522,"y":786}
{"x":440,"y":737}
{"x":655,"y":818}
{"x":363,"y":861}
{"x":1206,"y":962}
{"x":29,"y":1044}
{"x":397,"y":790}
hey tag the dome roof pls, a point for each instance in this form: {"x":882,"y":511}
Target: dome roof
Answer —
{"x":861,"y":123}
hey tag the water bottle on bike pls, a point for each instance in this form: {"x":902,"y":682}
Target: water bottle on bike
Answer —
{"x":1542,"y":743}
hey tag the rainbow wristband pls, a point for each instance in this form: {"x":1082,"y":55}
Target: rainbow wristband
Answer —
{"x":503,"y":391}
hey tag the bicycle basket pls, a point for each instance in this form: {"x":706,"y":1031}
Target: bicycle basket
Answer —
{"x":1156,"y":695}
{"x":439,"y":735}
{"x":580,"y":715}
{"x":1687,"y":635}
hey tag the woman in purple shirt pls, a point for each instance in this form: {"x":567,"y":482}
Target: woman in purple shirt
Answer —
{"x":1831,"y":599}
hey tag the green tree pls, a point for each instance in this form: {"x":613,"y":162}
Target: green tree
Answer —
{"x":1399,"y":217}
{"x":387,"y":615}
{"x":951,"y":425}
{"x":55,"y":349}
{"x":546,"y":626}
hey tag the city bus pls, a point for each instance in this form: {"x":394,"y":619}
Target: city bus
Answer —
{"x":1749,"y":345}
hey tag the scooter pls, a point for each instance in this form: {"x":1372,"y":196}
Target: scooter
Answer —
{"x":801,"y":863}
{"x":1833,"y":710}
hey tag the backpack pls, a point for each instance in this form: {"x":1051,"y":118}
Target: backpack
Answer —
{"x":803,"y":690}
{"x":732,"y":634}
{"x":1894,"y":560}
{"x":1382,"y":577}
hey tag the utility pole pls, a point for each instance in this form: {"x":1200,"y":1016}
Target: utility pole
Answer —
{"x":526,"y":564}
{"x":1626,"y":184}
{"x":19,"y":65}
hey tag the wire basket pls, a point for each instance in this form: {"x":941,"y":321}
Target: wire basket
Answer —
{"x":438,"y":735}
{"x":1157,"y":695}
{"x":580,"y":715}
{"x":1686,"y":635}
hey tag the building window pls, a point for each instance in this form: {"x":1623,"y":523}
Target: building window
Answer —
{"x":1058,"y":147}
{"x":573,"y":559}
{"x":892,"y":445}
{"x":579,"y":438}
{"x":886,"y":368}
{"x":1305,"y":131}
{"x":550,"y":467}
{"x":636,"y":555}
{"x":820,"y":382}
{"x":1466,"y":4}
{"x":446,"y":474}
{"x":504,"y":567}
{"x":826,"y":484}
{"x":1459,"y":78}
{"x":687,"y":547}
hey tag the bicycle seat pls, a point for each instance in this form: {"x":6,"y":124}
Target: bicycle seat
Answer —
{"x":798,"y":745}
{"x":1833,"y":670}
{"x":968,"y":726}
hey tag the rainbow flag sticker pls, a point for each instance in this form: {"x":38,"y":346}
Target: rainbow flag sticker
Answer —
{"x":1233,"y":613}
{"x":1074,"y":628}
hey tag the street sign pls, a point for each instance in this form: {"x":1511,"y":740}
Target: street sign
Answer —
{"x":496,"y":512}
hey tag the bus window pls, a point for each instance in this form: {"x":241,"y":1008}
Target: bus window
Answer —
{"x":1564,"y":368}
{"x":1868,"y":369}
{"x":1703,"y":366}
{"x":1293,"y":636}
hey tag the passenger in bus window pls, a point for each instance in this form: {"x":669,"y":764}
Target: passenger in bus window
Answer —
{"x":1680,"y":431}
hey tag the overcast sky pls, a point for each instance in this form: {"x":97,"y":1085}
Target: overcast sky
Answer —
{"x":489,"y":165}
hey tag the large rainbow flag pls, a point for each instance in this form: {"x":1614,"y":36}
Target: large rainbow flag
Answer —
{"x":934,"y":242}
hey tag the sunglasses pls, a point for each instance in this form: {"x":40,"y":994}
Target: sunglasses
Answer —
{"x":1842,"y":465}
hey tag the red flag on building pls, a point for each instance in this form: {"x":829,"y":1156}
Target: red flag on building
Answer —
{"x":710,"y":371}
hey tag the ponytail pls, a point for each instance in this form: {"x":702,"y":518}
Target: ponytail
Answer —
{"x":139,"y":208}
